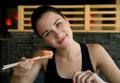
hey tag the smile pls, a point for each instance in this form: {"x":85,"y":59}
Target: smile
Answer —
{"x":62,"y":40}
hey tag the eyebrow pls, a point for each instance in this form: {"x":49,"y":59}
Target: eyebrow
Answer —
{"x":53,"y":23}
{"x":56,"y":21}
{"x":44,"y":32}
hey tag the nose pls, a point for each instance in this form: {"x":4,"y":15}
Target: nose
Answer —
{"x":58,"y":34}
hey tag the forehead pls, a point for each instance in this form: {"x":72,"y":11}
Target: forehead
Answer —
{"x":47,"y":20}
{"x":48,"y":17}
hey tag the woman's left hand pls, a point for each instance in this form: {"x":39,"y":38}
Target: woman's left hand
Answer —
{"x":86,"y":77}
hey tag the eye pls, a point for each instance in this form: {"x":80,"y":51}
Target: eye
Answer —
{"x":58,"y":24}
{"x":47,"y":34}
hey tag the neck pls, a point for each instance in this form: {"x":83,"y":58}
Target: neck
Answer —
{"x":69,"y":51}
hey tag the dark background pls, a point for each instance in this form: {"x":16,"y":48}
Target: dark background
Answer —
{"x":56,"y":2}
{"x":6,"y":4}
{"x":24,"y":44}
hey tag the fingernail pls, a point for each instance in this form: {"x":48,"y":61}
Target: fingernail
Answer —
{"x":34,"y":60}
{"x":72,"y":81}
{"x":29,"y":60}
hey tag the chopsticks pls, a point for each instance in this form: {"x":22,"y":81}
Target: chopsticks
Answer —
{"x":15,"y":64}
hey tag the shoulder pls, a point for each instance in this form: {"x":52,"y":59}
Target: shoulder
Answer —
{"x":96,"y":49}
{"x":97,"y":53}
{"x":95,"y":46}
{"x":104,"y":62}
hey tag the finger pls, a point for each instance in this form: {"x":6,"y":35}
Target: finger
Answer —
{"x":91,"y":77}
{"x":80,"y":77}
{"x":85,"y":76}
{"x":23,"y":63}
{"x":26,"y":64}
{"x":75,"y":76}
{"x":29,"y":64}
{"x":31,"y":60}
{"x":27,"y":67}
{"x":23,"y":58}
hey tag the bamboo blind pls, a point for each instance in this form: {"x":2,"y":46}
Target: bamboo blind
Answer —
{"x":83,"y":18}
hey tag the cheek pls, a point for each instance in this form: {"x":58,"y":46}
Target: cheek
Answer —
{"x":49,"y":40}
{"x":67,"y":26}
{"x":51,"y":43}
{"x":67,"y":29}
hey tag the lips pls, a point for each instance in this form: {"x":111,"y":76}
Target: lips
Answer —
{"x":61,"y":40}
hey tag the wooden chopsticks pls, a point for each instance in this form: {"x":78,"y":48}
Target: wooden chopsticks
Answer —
{"x":15,"y":64}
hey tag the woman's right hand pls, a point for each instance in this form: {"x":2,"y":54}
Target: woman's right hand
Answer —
{"x":24,"y":67}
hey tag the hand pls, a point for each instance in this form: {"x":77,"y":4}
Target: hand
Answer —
{"x":86,"y":77}
{"x":24,"y":67}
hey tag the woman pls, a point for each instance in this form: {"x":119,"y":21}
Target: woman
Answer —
{"x":72,"y":62}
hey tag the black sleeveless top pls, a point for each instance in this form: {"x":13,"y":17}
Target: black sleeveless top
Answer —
{"x":51,"y":75}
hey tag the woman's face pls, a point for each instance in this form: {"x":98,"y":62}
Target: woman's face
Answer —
{"x":54,"y":29}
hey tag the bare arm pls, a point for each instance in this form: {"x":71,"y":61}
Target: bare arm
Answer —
{"x":105,"y":63}
{"x":26,"y":72}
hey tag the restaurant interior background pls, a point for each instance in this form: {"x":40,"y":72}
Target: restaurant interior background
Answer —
{"x":14,"y":45}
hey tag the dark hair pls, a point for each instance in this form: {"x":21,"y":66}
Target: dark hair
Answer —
{"x":38,"y":12}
